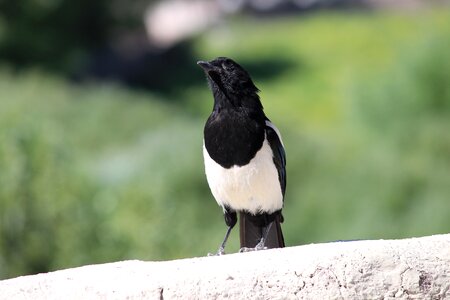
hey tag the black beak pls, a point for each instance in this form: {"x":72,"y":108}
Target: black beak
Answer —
{"x":206,"y":66}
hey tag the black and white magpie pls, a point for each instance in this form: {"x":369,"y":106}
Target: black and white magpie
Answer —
{"x":245,"y":162}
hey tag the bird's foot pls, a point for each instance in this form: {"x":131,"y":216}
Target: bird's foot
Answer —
{"x":246,"y":249}
{"x":220,"y":252}
{"x":259,"y":246}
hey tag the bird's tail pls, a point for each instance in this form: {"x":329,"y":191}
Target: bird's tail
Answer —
{"x":252,"y":227}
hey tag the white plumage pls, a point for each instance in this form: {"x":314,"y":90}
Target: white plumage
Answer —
{"x":254,"y":187}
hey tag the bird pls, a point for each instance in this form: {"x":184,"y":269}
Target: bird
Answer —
{"x":244,"y":158}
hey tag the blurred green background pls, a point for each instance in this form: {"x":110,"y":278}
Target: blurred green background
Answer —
{"x":97,"y":169}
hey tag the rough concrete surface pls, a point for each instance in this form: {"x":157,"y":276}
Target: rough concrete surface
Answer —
{"x":417,"y":268}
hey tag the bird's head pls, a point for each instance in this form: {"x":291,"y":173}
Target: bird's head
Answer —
{"x":230,"y":83}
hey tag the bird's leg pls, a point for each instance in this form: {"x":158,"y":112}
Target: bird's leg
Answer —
{"x":261,"y":244}
{"x":221,"y":250}
{"x":230,"y":220}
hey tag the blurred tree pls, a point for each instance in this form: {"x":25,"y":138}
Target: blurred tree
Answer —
{"x":57,"y":34}
{"x":52,"y":33}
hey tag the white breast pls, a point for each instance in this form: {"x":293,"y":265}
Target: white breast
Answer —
{"x":254,"y":187}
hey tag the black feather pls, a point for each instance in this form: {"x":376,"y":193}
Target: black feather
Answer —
{"x":279,"y":155}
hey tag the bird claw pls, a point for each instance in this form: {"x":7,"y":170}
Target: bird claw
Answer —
{"x":259,"y":246}
{"x":220,"y":252}
{"x":246,"y":249}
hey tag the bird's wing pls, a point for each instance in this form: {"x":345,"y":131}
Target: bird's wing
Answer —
{"x":279,"y":156}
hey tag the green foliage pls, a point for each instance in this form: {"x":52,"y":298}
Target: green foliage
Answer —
{"x":98,"y":173}
{"x":94,"y":174}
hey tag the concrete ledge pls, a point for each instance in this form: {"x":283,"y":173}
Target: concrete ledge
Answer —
{"x":417,"y":268}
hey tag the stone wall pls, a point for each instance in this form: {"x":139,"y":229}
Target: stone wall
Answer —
{"x":417,"y":268}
